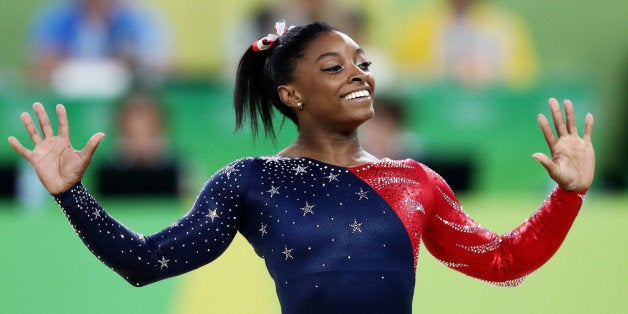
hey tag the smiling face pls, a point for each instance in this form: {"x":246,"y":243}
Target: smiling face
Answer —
{"x":333,"y":82}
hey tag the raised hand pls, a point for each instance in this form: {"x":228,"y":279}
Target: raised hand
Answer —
{"x":57,"y":163}
{"x":573,"y":160}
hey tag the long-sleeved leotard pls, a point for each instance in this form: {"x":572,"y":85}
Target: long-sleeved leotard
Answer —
{"x":333,"y":238}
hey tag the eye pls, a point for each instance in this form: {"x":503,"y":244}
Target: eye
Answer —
{"x":365,"y":66}
{"x":333,"y":70}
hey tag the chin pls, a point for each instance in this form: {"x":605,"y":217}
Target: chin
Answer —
{"x":367,"y":115}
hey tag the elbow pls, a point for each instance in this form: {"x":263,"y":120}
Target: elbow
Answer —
{"x":137,"y":280}
{"x":137,"y":284}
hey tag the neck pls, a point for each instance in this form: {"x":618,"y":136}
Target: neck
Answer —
{"x":336,"y":150}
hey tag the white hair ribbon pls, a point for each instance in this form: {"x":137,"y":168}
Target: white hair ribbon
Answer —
{"x":266,"y":42}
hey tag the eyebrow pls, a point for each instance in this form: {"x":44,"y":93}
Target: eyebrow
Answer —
{"x":333,"y":54}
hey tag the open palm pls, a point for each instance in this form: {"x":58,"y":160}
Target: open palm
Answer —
{"x":572,"y":164}
{"x":57,"y":164}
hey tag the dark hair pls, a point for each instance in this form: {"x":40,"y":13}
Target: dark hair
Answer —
{"x":261,"y":73}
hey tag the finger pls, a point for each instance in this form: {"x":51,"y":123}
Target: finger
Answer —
{"x":550,"y":139}
{"x":570,"y":116}
{"x":546,"y":162}
{"x":559,"y":124}
{"x":588,"y":127}
{"x":19,"y":148}
{"x":44,"y":122}
{"x":62,"y":117}
{"x":33,"y":133}
{"x":92,"y":144}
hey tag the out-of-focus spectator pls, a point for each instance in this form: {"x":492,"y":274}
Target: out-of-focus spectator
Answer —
{"x":99,"y":47}
{"x":615,"y":174}
{"x":472,"y":42}
{"x":7,"y":180}
{"x":386,"y":134}
{"x":300,"y":12}
{"x":349,"y":19}
{"x":144,"y":163}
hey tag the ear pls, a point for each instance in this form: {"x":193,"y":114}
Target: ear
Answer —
{"x":289,"y":95}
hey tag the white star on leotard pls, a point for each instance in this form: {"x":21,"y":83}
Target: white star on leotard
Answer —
{"x":212,"y":214}
{"x":299,"y":169}
{"x":362,"y":194}
{"x":307,"y":209}
{"x":229,"y":170}
{"x":287,"y":252}
{"x":355,"y":226}
{"x":164,"y":262}
{"x":262,"y":229}
{"x":332,"y":177}
{"x":273,"y":190}
{"x":96,"y":213}
{"x":272,"y":159}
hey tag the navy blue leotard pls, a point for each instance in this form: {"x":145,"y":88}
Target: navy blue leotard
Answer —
{"x":334,"y":239}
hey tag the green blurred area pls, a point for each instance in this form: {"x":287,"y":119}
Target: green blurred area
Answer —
{"x":495,"y":130}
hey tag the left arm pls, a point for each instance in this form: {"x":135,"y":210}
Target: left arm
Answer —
{"x":504,"y":260}
{"x":460,"y":243}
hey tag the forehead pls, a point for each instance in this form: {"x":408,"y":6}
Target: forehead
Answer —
{"x":330,"y":42}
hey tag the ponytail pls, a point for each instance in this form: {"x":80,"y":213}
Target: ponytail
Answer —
{"x":262,"y":71}
{"x":250,"y":96}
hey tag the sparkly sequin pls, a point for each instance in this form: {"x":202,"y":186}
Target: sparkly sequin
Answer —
{"x":382,"y":182}
{"x":483,"y":248}
{"x":462,"y":228}
{"x":413,"y":204}
{"x":324,"y":228}
{"x":508,"y":283}
{"x":453,"y":265}
{"x":454,"y":204}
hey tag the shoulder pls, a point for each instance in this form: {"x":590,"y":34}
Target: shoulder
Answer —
{"x":431,"y":175}
{"x":235,"y":166}
{"x":253,"y":160}
{"x":238,"y":173}
{"x":406,"y":168}
{"x":241,"y":166}
{"x":233,"y":176}
{"x":403,"y":163}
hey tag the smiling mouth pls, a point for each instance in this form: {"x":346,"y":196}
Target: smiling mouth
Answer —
{"x":358,"y":94}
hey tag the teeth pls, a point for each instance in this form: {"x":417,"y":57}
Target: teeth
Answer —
{"x":361,"y":93}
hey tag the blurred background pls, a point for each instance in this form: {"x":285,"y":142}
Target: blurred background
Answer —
{"x":459,"y":85}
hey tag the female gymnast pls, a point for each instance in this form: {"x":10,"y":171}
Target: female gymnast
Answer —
{"x":338,"y":228}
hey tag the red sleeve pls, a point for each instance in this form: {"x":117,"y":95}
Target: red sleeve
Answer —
{"x":504,"y":260}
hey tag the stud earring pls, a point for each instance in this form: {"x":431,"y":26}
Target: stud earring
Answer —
{"x":300,"y":106}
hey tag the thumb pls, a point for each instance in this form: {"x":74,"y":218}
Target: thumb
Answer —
{"x":92,"y":144}
{"x":545,"y":161}
{"x":19,"y":148}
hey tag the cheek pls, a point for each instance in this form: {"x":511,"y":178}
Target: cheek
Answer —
{"x":323,"y":92}
{"x":371,"y":80}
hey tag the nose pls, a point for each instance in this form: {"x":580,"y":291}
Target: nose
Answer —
{"x":358,"y":74}
{"x":358,"y":78}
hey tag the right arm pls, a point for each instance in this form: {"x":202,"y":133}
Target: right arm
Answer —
{"x":196,"y":239}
